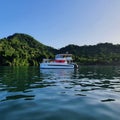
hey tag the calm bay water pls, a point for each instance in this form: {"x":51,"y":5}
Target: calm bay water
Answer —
{"x":89,"y":93}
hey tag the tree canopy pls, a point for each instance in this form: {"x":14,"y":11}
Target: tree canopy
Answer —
{"x":102,"y":53}
{"x":23,"y":50}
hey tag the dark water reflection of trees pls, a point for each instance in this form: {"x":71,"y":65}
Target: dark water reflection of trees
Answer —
{"x":24,"y":78}
{"x":18,"y":78}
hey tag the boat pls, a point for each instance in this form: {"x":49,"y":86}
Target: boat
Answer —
{"x":61,"y":61}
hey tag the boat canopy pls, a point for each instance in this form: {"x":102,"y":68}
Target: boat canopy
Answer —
{"x":67,"y":57}
{"x":63,"y":55}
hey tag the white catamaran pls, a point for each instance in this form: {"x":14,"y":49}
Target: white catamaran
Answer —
{"x":63,"y":61}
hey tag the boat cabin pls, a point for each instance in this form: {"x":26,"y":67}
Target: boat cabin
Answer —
{"x":64,"y":57}
{"x":60,"y":58}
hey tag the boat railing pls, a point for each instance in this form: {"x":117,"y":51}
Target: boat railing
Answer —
{"x":46,"y":60}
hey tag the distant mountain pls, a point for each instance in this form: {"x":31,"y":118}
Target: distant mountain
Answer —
{"x":23,"y":50}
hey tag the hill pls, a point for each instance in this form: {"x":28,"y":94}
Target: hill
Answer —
{"x":102,"y":53}
{"x":24,"y":50}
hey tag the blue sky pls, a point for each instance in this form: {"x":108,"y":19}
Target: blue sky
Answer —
{"x":58,"y":23}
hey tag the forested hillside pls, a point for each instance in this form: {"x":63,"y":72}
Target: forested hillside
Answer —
{"x":24,"y":50}
{"x":102,"y":53}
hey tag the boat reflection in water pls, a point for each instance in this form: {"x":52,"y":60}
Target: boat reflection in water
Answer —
{"x":56,"y":73}
{"x":56,"y":80}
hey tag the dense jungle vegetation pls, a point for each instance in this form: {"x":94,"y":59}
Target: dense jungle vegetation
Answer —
{"x":24,"y":50}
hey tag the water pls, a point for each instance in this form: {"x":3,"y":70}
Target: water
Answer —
{"x":89,"y":93}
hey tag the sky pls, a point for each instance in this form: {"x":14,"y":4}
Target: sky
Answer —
{"x":58,"y":23}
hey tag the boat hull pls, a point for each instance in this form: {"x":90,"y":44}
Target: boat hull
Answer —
{"x":56,"y":66}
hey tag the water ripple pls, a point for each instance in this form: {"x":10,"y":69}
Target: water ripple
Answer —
{"x":91,"y":92}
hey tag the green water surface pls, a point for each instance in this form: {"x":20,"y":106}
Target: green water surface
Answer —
{"x":87,"y":93}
